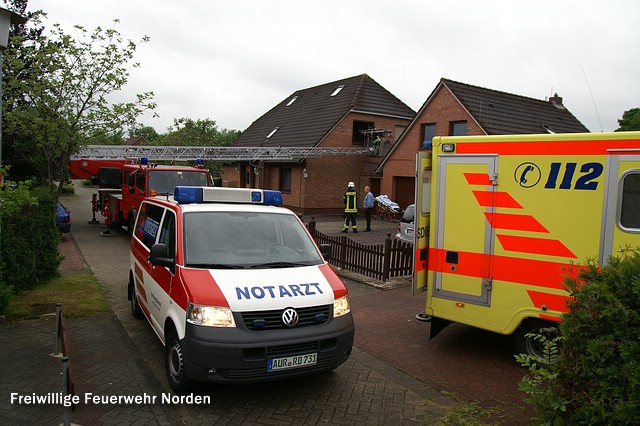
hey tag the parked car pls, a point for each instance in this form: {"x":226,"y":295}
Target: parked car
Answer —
{"x":63,"y":218}
{"x":406,"y":227}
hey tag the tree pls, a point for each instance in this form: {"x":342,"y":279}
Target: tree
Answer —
{"x":188,"y":132}
{"x":148,"y":132}
{"x":64,"y":83}
{"x":201,"y":132}
{"x":20,"y":37}
{"x":630,"y":120}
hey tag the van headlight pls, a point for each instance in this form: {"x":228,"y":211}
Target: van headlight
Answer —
{"x":341,"y":307}
{"x":210,"y":316}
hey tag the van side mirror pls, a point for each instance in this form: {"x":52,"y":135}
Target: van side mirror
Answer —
{"x":158,"y":257}
{"x":325,"y":249}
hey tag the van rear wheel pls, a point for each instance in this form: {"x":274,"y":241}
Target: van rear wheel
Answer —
{"x":529,"y":345}
{"x":174,"y":364}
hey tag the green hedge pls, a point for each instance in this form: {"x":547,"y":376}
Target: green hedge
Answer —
{"x":596,"y":377}
{"x":29,"y":240}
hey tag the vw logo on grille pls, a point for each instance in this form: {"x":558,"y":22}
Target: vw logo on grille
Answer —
{"x":290,"y":317}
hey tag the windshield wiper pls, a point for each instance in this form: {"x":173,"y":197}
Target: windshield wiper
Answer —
{"x":214,"y":266}
{"x":279,"y":265}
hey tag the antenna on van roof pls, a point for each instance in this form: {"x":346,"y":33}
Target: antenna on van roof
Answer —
{"x":592,"y":99}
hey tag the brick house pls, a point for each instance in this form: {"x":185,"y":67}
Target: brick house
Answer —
{"x":353,"y":112}
{"x":455,"y":108}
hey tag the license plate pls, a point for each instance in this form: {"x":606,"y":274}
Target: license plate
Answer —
{"x":295,"y":361}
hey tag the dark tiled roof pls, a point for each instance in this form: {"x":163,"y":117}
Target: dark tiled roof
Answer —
{"x":500,"y":113}
{"x":135,"y":140}
{"x":314,"y":112}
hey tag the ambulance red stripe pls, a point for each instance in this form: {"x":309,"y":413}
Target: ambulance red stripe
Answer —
{"x":550,"y":318}
{"x":576,"y":147}
{"x":554,"y":302}
{"x":516,"y":222}
{"x":538,"y":273}
{"x":478,"y":179}
{"x":496,"y":199}
{"x":535,"y":245}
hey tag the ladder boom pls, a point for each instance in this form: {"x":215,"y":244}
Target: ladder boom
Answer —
{"x":219,"y":153}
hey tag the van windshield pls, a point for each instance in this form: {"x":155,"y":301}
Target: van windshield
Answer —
{"x":229,"y":240}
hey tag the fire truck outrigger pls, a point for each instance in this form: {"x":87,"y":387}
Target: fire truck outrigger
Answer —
{"x":501,"y":220}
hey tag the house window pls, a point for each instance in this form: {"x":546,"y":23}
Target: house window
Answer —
{"x":338,"y":89}
{"x":359,"y":127}
{"x":457,"y":128}
{"x":285,"y":179}
{"x":630,"y":205}
{"x":292,"y":101}
{"x":428,"y":132}
{"x":273,"y":132}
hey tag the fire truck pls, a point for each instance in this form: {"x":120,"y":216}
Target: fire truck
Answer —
{"x":502,"y":220}
{"x":127,"y":174}
{"x":123,"y":184}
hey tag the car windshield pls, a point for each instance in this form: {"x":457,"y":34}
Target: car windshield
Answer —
{"x":165,"y":181}
{"x":230,"y":240}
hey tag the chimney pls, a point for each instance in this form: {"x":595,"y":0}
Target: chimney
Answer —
{"x":556,"y":100}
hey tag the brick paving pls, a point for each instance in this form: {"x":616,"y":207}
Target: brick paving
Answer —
{"x":113,"y":354}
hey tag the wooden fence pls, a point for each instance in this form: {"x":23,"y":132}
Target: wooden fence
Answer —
{"x":393,"y":258}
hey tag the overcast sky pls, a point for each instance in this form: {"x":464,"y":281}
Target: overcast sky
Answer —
{"x":233,"y":60}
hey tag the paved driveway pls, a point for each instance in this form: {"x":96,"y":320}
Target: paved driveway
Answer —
{"x":393,"y":371}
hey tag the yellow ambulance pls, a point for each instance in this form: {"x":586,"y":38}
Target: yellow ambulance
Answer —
{"x":501,"y":220}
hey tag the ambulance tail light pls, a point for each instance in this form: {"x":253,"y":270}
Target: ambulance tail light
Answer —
{"x":341,"y":307}
{"x":210,"y":316}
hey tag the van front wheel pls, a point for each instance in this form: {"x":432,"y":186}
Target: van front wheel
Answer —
{"x":174,"y":364}
{"x":133,"y":298}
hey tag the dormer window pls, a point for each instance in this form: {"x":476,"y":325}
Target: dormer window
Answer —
{"x":273,"y":132}
{"x":338,"y":89}
{"x":292,"y":101}
{"x":548,"y":128}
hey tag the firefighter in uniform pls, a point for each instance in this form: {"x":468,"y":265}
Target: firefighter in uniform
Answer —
{"x":350,"y":200}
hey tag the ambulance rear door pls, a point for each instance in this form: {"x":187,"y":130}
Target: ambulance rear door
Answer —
{"x":621,"y":209}
{"x":464,"y":239}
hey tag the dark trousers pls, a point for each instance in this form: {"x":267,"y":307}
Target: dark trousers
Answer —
{"x":350,"y":217}
{"x":367,"y":216}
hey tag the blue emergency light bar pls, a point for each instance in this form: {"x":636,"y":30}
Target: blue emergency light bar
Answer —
{"x":210,"y":194}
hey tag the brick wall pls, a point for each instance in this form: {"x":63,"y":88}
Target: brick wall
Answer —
{"x":327,"y":177}
{"x":442,"y":109}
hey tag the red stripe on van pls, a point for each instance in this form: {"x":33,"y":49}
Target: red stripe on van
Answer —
{"x":546,"y":147}
{"x":554,"y":302}
{"x":478,"y":179}
{"x":516,"y":222}
{"x":336,"y":284}
{"x":535,"y":272}
{"x":496,"y":199}
{"x":535,"y":246}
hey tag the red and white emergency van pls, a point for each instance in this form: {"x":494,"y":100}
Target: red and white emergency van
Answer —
{"x":501,"y":220}
{"x":236,"y":288}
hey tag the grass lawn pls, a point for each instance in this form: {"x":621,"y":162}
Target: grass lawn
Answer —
{"x":80,"y":295}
